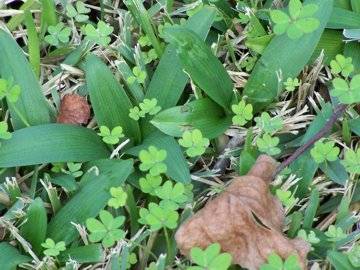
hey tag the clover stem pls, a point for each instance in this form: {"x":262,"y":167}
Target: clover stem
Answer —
{"x":315,"y":138}
{"x":22,"y":118}
{"x":169,"y":257}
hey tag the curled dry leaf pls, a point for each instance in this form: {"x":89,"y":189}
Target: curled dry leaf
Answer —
{"x":246,"y":220}
{"x":74,"y":109}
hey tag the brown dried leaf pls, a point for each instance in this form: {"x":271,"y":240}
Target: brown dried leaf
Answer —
{"x":74,"y":110}
{"x":246,"y":220}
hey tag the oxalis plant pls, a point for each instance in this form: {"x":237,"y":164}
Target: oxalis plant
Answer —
{"x":166,"y":104}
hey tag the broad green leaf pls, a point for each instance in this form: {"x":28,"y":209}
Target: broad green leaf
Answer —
{"x":91,"y":198}
{"x":177,"y":168}
{"x":203,"y":114}
{"x":109,"y":100}
{"x":202,"y":65}
{"x":48,"y":15}
{"x":343,"y":19}
{"x":10,"y":257}
{"x":33,"y":43}
{"x":34,"y":230}
{"x":284,"y":56}
{"x":335,"y":171}
{"x":331,"y":42}
{"x":340,"y":260}
{"x":355,"y":5}
{"x":51,"y":143}
{"x":311,"y":209}
{"x":31,"y":103}
{"x":84,"y":254}
{"x":352,"y":49}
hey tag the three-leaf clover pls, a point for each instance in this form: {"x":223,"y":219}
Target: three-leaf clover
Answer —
{"x":107,"y":230}
{"x":342,"y":65}
{"x":130,"y":260}
{"x":194,"y":142}
{"x":347,"y":92}
{"x":298,"y":23}
{"x":335,"y":234}
{"x":354,"y":256}
{"x":322,"y":152}
{"x":352,"y":161}
{"x":158,"y":217}
{"x":210,"y":258}
{"x":243,"y":113}
{"x":150,"y":183}
{"x":139,"y":75}
{"x":285,"y":196}
{"x":276,"y":263}
{"x":268,"y":124}
{"x":79,"y":13}
{"x":99,"y":35}
{"x":308,"y":237}
{"x":135,"y":113}
{"x":152,"y":161}
{"x":4,"y":133}
{"x":73,"y":169}
{"x":119,"y":197}
{"x":291,"y":83}
{"x":12,"y":93}
{"x":58,"y":34}
{"x":113,"y":136}
{"x":52,"y":248}
{"x":249,"y":63}
{"x":57,"y":166}
{"x":149,"y":106}
{"x":267,"y":144}
{"x":171,"y":195}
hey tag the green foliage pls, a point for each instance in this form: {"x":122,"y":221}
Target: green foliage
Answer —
{"x":354,"y":256}
{"x":171,"y":195}
{"x":148,"y":106}
{"x":152,"y":161}
{"x":4,"y":133}
{"x":352,"y":161}
{"x":291,"y":84}
{"x":342,"y":65}
{"x":210,"y":258}
{"x":113,"y":136}
{"x":308,"y":237}
{"x":52,"y":248}
{"x":285,"y":196}
{"x":243,"y":113}
{"x":106,"y":230}
{"x":99,"y":35}
{"x":57,"y":166}
{"x":249,"y":63}
{"x":335,"y":234}
{"x":78,"y":12}
{"x":8,"y":90}
{"x":347,"y":92}
{"x":59,"y":35}
{"x":298,"y":23}
{"x":194,"y":143}
{"x":130,"y":260}
{"x":158,"y":217}
{"x":269,"y":124}
{"x":150,"y":183}
{"x":322,"y":152}
{"x":267,"y":144}
{"x":139,"y":75}
{"x":119,"y":197}
{"x":73,"y":169}
{"x":276,"y":263}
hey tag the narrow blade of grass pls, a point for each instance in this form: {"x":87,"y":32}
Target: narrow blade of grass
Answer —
{"x":332,"y":43}
{"x":34,"y":45}
{"x":343,"y":19}
{"x":51,"y":143}
{"x":85,"y":254}
{"x":18,"y":19}
{"x":48,"y":15}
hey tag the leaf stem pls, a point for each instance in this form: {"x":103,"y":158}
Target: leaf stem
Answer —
{"x":22,"y":118}
{"x":315,"y":138}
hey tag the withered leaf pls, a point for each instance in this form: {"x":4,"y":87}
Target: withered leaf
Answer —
{"x":74,"y":109}
{"x":246,"y":220}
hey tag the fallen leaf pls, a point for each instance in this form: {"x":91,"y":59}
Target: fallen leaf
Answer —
{"x":246,"y":220}
{"x":74,"y":109}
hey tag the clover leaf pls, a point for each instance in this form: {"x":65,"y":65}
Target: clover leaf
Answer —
{"x":243,"y":113}
{"x":249,"y":63}
{"x":113,"y":136}
{"x":149,"y":106}
{"x":268,"y":124}
{"x":285,"y":196}
{"x":267,"y":144}
{"x":171,"y":195}
{"x":58,"y":34}
{"x":135,"y":113}
{"x":276,"y":263}
{"x":158,"y":217}
{"x":151,"y":160}
{"x":52,"y":248}
{"x":4,"y":133}
{"x":73,"y":169}
{"x":322,"y":152}
{"x":130,"y":260}
{"x":352,"y":161}
{"x":210,"y":258}
{"x":139,"y":75}
{"x":354,"y":256}
{"x":11,"y":93}
{"x":291,"y":84}
{"x":106,"y":230}
{"x":57,"y":166}
{"x":342,"y":65}
{"x":150,"y":183}
{"x":79,"y":13}
{"x":308,"y":237}
{"x":194,"y":142}
{"x":298,"y":23}
{"x":335,"y":234}
{"x":99,"y":35}
{"x":347,"y":92}
{"x":119,"y":197}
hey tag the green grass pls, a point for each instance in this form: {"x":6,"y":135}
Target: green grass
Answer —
{"x":184,"y":96}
